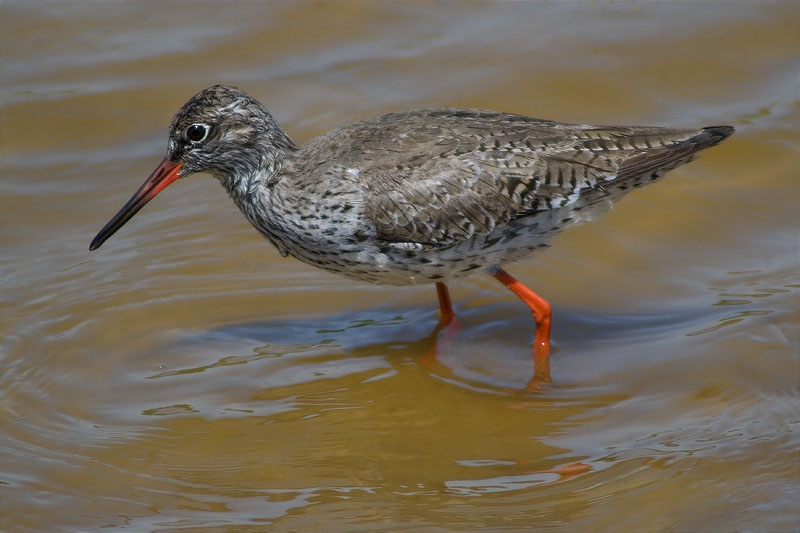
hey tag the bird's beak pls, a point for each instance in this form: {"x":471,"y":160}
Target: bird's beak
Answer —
{"x":163,"y":175}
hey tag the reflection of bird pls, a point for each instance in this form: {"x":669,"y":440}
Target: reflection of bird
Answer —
{"x":414,"y":197}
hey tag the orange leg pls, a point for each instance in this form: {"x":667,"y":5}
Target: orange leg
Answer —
{"x":541,"y":314}
{"x":445,"y":306}
{"x":449,"y":323}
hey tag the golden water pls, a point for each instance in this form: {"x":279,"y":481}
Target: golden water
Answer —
{"x":187,"y":376}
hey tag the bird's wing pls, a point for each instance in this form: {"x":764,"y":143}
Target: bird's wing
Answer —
{"x":437,"y":177}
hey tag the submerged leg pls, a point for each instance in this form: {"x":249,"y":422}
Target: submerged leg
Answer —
{"x":449,"y":324}
{"x":541,"y":314}
{"x":445,"y":306}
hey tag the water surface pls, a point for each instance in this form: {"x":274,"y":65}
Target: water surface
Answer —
{"x":185,"y":376}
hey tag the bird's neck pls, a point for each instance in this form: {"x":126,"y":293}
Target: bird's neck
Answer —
{"x":255,"y":194}
{"x":249,"y":179}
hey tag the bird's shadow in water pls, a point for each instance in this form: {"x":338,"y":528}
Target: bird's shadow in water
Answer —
{"x":489,"y":350}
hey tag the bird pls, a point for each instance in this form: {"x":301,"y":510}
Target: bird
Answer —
{"x":413,"y":197}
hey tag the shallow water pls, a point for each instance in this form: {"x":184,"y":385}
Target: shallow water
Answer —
{"x":185,"y":376}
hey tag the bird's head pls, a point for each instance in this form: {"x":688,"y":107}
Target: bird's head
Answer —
{"x":222,"y":131}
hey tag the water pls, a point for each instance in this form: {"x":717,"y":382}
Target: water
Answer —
{"x":185,"y":376}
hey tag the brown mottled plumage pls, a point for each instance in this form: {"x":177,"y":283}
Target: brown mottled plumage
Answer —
{"x":416,"y":196}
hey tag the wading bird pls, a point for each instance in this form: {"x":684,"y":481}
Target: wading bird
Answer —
{"x":414,"y":197}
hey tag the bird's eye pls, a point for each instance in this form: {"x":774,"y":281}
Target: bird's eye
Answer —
{"x":196,"y":132}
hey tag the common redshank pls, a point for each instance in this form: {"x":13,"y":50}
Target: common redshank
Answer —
{"x":422,"y":196}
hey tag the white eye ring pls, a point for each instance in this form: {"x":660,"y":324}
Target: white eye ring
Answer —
{"x":197,"y":132}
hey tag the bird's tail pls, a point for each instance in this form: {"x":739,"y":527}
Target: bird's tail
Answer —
{"x":654,"y":163}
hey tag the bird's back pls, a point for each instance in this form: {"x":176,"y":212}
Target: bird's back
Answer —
{"x":436,"y":177}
